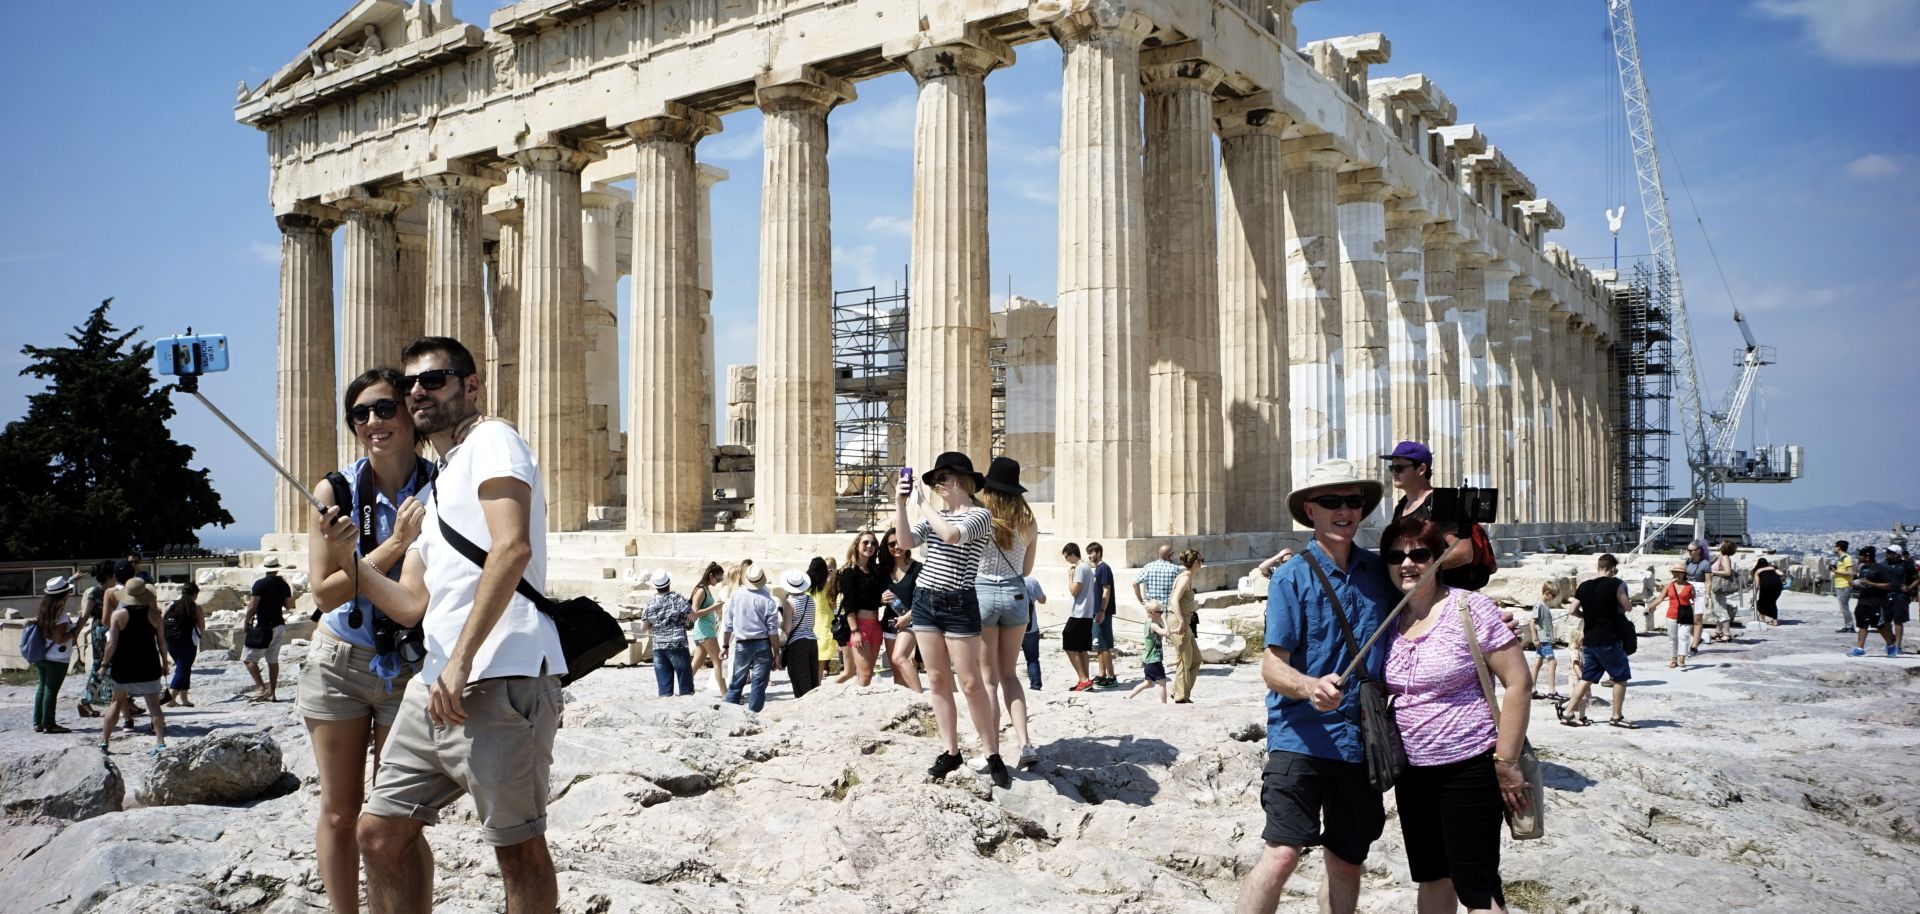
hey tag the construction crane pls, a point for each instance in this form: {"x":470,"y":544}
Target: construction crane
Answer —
{"x":1710,"y":437}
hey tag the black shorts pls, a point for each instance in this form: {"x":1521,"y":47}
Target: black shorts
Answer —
{"x":1077,"y":636}
{"x":1299,"y":791}
{"x":1898,"y":613}
{"x":1154,"y":672}
{"x":1869,"y":615}
{"x":1450,"y":816}
{"x":949,"y":613}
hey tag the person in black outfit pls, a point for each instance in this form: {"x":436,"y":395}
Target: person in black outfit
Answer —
{"x":267,"y":612}
{"x":184,"y":625}
{"x":1768,"y":584}
{"x":135,"y":659}
{"x":1872,"y":597}
{"x":1602,"y":603}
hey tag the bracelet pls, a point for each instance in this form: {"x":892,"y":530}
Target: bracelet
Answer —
{"x":1497,"y":758}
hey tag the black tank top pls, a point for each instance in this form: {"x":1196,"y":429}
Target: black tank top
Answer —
{"x":178,"y":622}
{"x":137,"y":658}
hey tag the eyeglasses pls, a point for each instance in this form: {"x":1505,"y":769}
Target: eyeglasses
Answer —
{"x":1398,"y":468}
{"x":430,"y":380}
{"x":1336,"y":502}
{"x":1420,"y":556}
{"x":384,"y":408}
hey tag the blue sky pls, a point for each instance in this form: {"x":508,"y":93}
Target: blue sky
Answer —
{"x":1794,"y":121}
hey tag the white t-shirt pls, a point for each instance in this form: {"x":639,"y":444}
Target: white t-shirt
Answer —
{"x":56,"y":650}
{"x":1087,"y":604}
{"x":524,"y":641}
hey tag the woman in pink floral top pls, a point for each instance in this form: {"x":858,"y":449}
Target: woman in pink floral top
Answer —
{"x":1464,"y":770}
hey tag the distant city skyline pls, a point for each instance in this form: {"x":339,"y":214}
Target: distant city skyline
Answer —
{"x":133,"y":181}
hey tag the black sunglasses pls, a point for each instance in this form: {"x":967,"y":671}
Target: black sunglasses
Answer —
{"x":1398,"y":468}
{"x":1420,"y":556}
{"x":430,"y":380}
{"x":1336,"y":502}
{"x":383,"y":407}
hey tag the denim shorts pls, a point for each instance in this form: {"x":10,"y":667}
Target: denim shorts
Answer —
{"x":952,"y":613}
{"x":1610,"y":659}
{"x":1003,"y":602}
{"x":1545,"y":650}
{"x":1103,"y":633}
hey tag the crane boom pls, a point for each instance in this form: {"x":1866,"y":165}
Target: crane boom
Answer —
{"x":1653,"y":204}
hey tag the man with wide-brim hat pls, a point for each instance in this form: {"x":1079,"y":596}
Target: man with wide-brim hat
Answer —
{"x":1314,"y":789}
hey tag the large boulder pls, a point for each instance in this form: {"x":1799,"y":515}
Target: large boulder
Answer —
{"x":73,"y":783}
{"x":225,"y":768}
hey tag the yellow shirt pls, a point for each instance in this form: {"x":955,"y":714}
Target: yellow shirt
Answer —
{"x":1843,"y":572}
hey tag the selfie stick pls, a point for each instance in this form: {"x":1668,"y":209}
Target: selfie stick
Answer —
{"x":1388,"y":621}
{"x":191,"y":384}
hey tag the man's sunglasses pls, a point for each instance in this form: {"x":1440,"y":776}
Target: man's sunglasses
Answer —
{"x":1420,"y":556}
{"x":1336,"y":502}
{"x":384,"y":408}
{"x":1398,"y":468}
{"x":430,"y":380}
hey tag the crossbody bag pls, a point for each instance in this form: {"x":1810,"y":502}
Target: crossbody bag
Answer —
{"x":1379,"y":731}
{"x":1524,"y":826}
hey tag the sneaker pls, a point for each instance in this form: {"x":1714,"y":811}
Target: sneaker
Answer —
{"x":997,"y":770}
{"x":1083,"y":685}
{"x":1893,"y":650}
{"x":1856,"y":652}
{"x":946,"y":763}
{"x":1843,"y":631}
{"x":1029,"y":757}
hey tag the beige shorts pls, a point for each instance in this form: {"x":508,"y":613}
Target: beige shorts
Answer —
{"x":336,"y":683}
{"x":270,"y":653}
{"x":501,"y":755}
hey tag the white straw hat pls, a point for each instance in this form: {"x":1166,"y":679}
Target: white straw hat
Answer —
{"x":1333,"y":474}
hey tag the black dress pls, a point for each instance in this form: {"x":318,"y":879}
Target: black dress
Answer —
{"x":137,"y":658}
{"x":1770,"y":585}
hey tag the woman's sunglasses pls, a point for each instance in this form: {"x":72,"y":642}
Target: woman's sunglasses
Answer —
{"x":429,"y":380}
{"x":384,"y":408}
{"x":1336,"y":502}
{"x":1420,"y":556}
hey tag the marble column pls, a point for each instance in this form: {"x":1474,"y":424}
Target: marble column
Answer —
{"x":1443,"y":353}
{"x":706,"y":176}
{"x":599,"y":261}
{"x":1567,"y":441}
{"x":1500,"y":383}
{"x":1185,"y":441}
{"x":1366,"y":318}
{"x":553,"y":390}
{"x":949,"y":382}
{"x":793,"y":461}
{"x":411,"y":321}
{"x":306,"y":416}
{"x":1315,"y":354}
{"x":370,"y":290}
{"x":455,"y":279}
{"x":503,"y":314}
{"x":1519,"y":423}
{"x":1470,"y":296}
{"x":1600,"y":481}
{"x":1540,"y":446}
{"x":1253,"y":317}
{"x":665,"y":454}
{"x":1407,"y":321}
{"x":1102,"y":467}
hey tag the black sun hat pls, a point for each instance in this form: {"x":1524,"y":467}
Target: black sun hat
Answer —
{"x":956,"y":462}
{"x":1003,"y":475}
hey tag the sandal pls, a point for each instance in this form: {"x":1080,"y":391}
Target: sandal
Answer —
{"x":1623,"y":724}
{"x":1539,"y":697}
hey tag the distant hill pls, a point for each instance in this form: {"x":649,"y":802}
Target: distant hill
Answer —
{"x":1861,"y":515}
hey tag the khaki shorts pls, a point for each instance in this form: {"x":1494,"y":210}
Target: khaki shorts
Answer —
{"x":336,"y":683}
{"x":501,"y":756}
{"x":270,"y":653}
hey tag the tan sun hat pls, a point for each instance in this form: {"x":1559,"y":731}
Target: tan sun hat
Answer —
{"x":138,"y":593}
{"x":1678,"y":569}
{"x":1333,"y":474}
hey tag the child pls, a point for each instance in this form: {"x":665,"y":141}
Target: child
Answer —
{"x":1540,"y":633}
{"x":1154,"y":673}
{"x":1576,"y":640}
{"x":1679,"y":600}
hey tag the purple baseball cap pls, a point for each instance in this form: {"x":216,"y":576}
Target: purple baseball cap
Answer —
{"x":1411,"y":450}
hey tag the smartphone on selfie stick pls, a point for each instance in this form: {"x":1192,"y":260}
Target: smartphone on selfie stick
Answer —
{"x":187,"y":357}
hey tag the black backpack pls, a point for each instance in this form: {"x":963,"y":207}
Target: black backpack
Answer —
{"x":388,"y":636}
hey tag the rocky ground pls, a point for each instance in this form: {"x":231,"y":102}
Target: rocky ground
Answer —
{"x":1774,"y":776}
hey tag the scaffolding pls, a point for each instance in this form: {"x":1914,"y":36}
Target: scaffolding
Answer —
{"x":1643,"y":386}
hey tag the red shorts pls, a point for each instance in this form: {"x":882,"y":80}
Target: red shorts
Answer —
{"x":869,"y":629}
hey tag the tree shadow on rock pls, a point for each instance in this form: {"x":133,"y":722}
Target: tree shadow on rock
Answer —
{"x":1560,"y":777}
{"x":1102,"y":769}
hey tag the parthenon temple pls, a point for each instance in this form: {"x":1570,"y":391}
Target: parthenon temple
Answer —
{"x":1355,"y":266}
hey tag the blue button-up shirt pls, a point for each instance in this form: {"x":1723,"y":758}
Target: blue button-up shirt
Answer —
{"x":385,"y":512}
{"x":751,"y":615}
{"x":1300,"y":621}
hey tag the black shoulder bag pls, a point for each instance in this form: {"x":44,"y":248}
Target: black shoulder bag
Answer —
{"x":588,"y":635}
{"x":1379,"y":732}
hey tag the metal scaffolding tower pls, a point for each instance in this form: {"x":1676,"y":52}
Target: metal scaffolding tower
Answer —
{"x":869,"y":395}
{"x":1643,"y":385}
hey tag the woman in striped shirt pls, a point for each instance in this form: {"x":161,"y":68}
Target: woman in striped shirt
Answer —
{"x":801,"y":654}
{"x":946,"y":609}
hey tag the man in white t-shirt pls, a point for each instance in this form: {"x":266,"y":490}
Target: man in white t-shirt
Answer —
{"x":1076,"y":638}
{"x":480,"y":718}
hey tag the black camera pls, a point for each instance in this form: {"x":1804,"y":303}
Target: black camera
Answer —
{"x":1465,"y":505}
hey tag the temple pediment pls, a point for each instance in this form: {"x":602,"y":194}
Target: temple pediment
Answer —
{"x":374,"y":36}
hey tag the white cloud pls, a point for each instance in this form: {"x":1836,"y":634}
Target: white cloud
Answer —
{"x":733,"y":147}
{"x":880,"y":128}
{"x":853,"y":267}
{"x":264,"y":251}
{"x":1873,"y":165}
{"x":891,"y":225}
{"x":1856,"y":31}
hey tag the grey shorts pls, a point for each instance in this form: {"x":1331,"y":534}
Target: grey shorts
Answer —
{"x":150,"y":687}
{"x":501,"y":755}
{"x":1003,"y":602}
{"x":336,"y":683}
{"x":270,"y":653}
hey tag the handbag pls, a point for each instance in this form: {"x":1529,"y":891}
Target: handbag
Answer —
{"x":1525,"y":826}
{"x":1379,"y":731}
{"x":259,"y":638}
{"x":589,"y":636}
